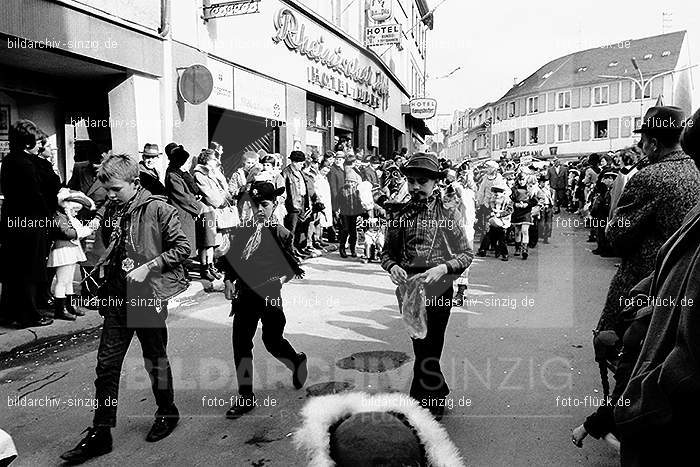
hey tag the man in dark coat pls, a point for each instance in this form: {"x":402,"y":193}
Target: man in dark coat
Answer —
{"x":182,"y":192}
{"x":652,"y":206}
{"x":558,"y":177}
{"x":336,"y":180}
{"x":30,"y":186}
{"x":298,"y":197}
{"x":150,"y":179}
{"x":655,"y":425}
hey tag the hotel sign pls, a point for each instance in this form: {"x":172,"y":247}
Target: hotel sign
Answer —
{"x":423,"y":108}
{"x":330,"y":67}
{"x":383,"y":34}
{"x":235,"y":8}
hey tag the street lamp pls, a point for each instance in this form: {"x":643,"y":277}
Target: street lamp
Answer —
{"x":642,"y":83}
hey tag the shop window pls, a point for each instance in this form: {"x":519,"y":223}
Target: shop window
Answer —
{"x":533,"y":135}
{"x":600,"y":129}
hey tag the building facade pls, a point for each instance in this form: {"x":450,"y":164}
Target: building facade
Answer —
{"x":587,"y":102}
{"x":285,"y":75}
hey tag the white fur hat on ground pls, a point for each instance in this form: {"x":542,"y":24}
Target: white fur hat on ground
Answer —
{"x":361,"y":429}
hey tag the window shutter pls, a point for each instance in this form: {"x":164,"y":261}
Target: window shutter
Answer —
{"x":613,"y":128}
{"x":523,"y":136}
{"x":586,"y":130}
{"x":657,"y":87}
{"x":575,"y":131}
{"x":517,"y":138}
{"x":585,"y":97}
{"x":626,"y":130}
{"x":541,"y":134}
{"x":541,"y":101}
{"x":550,"y":133}
{"x":551,"y":102}
{"x":626,"y":93}
{"x":614,"y":93}
{"x":576,"y":98}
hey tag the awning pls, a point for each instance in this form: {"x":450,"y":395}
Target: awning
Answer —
{"x":418,"y":125}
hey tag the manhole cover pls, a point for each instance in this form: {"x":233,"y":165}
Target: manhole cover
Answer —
{"x":377,"y":361}
{"x":332,"y":387}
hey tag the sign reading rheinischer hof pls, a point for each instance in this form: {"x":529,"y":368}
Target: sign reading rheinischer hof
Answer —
{"x":383,"y":34}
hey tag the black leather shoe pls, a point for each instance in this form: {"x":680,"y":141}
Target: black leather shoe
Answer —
{"x":97,"y":442}
{"x":301,"y":372}
{"x":43,"y":321}
{"x":241,"y":406}
{"x":481,"y":253}
{"x":353,"y":254}
{"x":163,"y":426}
{"x":342,"y":252}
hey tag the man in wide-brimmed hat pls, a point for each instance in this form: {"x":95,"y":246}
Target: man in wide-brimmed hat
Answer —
{"x":148,"y":174}
{"x":424,"y":239}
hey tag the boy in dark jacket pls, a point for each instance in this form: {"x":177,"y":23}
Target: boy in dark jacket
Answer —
{"x":259,"y":261}
{"x":600,"y":210}
{"x":141,"y":269}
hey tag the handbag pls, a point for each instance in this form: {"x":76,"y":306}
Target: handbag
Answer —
{"x":227,"y":217}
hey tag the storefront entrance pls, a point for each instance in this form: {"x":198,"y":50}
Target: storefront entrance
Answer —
{"x":239,"y":133}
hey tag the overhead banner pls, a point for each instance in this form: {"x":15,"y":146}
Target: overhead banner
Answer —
{"x":383,"y":34}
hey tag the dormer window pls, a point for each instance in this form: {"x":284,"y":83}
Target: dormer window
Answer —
{"x":582,"y":69}
{"x":613,"y":64}
{"x":666,"y":53}
{"x":648,"y":56}
{"x":547,"y":75}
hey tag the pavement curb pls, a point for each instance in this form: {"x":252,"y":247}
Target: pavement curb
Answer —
{"x":12,"y":339}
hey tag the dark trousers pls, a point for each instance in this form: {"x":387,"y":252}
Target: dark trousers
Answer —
{"x":251,"y":308}
{"x":428,"y":379}
{"x":546,"y":223}
{"x":496,"y":236}
{"x":533,"y":231}
{"x":560,"y":198}
{"x":117,"y":332}
{"x":20,"y":299}
{"x":291,"y":221}
{"x":348,"y":230}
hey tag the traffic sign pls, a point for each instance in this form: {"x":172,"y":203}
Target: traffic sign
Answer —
{"x":196,"y":84}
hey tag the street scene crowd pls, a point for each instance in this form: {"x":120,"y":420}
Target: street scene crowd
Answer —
{"x":121,"y":229}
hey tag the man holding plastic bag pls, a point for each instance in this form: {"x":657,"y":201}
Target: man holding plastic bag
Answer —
{"x":424,"y":251}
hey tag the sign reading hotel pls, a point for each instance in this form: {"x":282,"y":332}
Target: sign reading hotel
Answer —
{"x":423,"y":108}
{"x":331,"y":68}
{"x":235,"y":8}
{"x":383,"y":34}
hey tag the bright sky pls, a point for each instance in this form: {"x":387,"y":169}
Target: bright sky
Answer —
{"x":495,"y":41}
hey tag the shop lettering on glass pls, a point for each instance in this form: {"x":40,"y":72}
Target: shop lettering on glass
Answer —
{"x":235,"y":8}
{"x":532,"y":153}
{"x":365,"y":86}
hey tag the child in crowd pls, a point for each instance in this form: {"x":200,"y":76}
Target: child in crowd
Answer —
{"x":67,"y":252}
{"x":141,"y":269}
{"x":374,"y":239}
{"x":499,"y":220}
{"x":545,"y":200}
{"x":600,"y":209}
{"x":523,"y":202}
{"x":256,"y":266}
